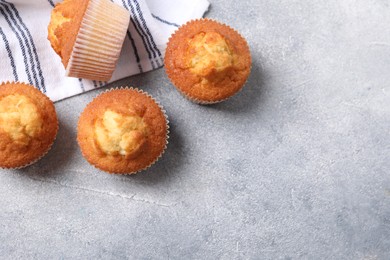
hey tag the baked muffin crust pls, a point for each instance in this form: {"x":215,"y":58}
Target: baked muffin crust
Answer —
{"x":209,"y":53}
{"x":120,"y":134}
{"x":19,"y":118}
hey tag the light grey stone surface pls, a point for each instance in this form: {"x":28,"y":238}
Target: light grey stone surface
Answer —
{"x":296,"y":166}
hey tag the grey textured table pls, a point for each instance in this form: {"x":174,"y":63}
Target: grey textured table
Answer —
{"x":296,"y":166}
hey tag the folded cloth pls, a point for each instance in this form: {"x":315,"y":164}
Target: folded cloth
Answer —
{"x":26,"y":54}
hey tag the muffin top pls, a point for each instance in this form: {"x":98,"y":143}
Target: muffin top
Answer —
{"x":207,"y":60}
{"x":28,"y":124}
{"x":64,"y":25}
{"x":122,"y":131}
{"x":209,"y":55}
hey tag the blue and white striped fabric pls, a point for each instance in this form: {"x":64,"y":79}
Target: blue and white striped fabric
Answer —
{"x":26,"y":55}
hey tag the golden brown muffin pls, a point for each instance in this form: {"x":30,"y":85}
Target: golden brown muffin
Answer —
{"x":28,"y":125}
{"x":122,"y":131}
{"x":88,"y":36}
{"x":207,"y":61}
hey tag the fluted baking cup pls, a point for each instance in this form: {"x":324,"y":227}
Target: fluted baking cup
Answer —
{"x":99,"y":41}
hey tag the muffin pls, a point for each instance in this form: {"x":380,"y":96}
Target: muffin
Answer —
{"x":122,"y":131}
{"x":88,"y":36}
{"x":28,"y":125}
{"x":207,"y":61}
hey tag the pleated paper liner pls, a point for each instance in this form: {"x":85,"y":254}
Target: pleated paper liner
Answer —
{"x":37,"y":157}
{"x":176,"y":51}
{"x":144,"y":167}
{"x":99,"y":41}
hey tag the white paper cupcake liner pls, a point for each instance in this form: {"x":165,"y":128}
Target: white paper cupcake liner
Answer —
{"x":99,"y":41}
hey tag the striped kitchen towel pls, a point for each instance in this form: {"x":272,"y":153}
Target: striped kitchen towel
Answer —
{"x":26,"y":54}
